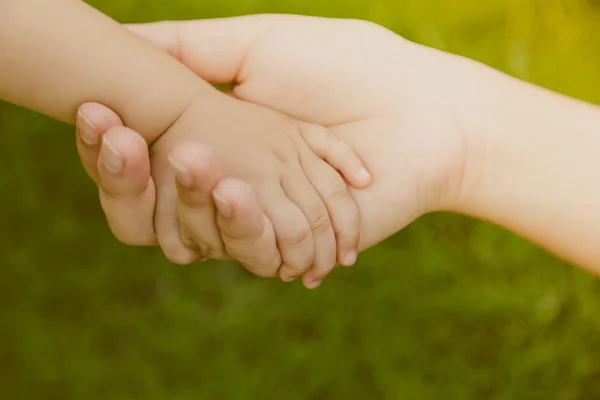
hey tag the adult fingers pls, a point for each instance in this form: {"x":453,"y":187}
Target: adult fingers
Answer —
{"x":127,"y":191}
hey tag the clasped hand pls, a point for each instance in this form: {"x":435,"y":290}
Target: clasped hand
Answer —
{"x":366,"y":102}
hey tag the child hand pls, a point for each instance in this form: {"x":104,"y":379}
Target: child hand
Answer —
{"x":302,"y":196}
{"x":241,"y":232}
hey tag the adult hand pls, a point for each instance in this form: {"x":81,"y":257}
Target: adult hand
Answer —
{"x":127,"y":192}
{"x":390,"y":98}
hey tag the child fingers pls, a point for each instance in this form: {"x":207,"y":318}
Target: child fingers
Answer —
{"x":337,"y":153}
{"x":176,"y":248}
{"x":197,"y":174}
{"x":341,"y":207}
{"x":300,"y":191}
{"x":292,"y":231}
{"x":247,"y":233}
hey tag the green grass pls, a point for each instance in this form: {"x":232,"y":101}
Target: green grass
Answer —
{"x":449,"y":307}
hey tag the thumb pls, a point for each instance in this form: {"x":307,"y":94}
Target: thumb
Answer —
{"x":214,"y":49}
{"x":127,"y":192}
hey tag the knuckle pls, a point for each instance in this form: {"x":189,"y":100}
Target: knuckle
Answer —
{"x":314,"y":135}
{"x":301,"y":264}
{"x":319,"y":221}
{"x":331,"y":139}
{"x":285,"y":156}
{"x":188,"y":242}
{"x":204,"y":241}
{"x":295,"y":235}
{"x":235,"y":234}
{"x":212,"y":252}
{"x":337,"y":190}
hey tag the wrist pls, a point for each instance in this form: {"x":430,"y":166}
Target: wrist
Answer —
{"x":519,"y":142}
{"x":455,"y":174}
{"x":206,"y":97}
{"x":492,"y":159}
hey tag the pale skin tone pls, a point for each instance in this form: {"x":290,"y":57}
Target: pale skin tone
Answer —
{"x":54,"y":67}
{"x":438,"y":132}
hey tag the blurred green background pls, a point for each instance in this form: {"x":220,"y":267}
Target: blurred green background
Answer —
{"x":450,"y":307}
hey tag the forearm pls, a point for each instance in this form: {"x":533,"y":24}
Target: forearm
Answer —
{"x":57,"y":54}
{"x":534,"y":165}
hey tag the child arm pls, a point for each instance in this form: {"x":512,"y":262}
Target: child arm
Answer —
{"x":58,"y":54}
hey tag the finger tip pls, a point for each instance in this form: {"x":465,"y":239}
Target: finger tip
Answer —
{"x":177,"y":252}
{"x":183,"y":176}
{"x":200,"y":162}
{"x":348,"y":259}
{"x":132,"y":147}
{"x":310,"y":278}
{"x":287,"y":274}
{"x":223,"y":204}
{"x":313,"y":284}
{"x":91,"y":109}
{"x":236,"y":193}
{"x":99,"y":115}
{"x":126,"y":139}
{"x":362,"y":178}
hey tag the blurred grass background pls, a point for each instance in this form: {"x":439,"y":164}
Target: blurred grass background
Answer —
{"x":450,"y":307}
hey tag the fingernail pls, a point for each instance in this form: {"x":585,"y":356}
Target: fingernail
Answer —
{"x":314,"y":284}
{"x":223,"y":207}
{"x":112,"y":160}
{"x":286,"y":275}
{"x":350,"y":258}
{"x":364,"y":175}
{"x":182,"y":173}
{"x":288,"y":279}
{"x":87,"y":130}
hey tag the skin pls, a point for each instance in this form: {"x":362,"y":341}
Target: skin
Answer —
{"x":301,"y":194}
{"x":54,"y":68}
{"x":437,"y":131}
{"x":384,"y":125}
